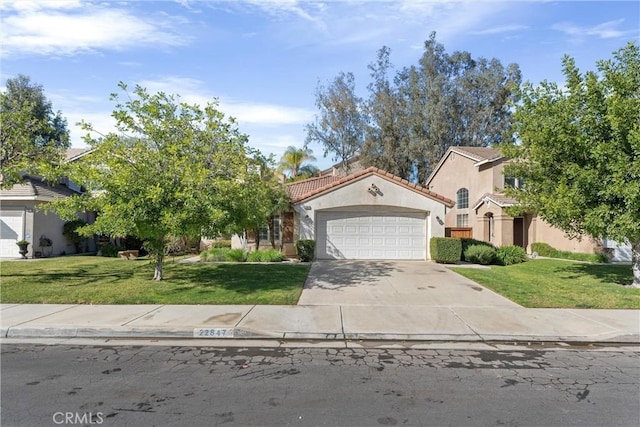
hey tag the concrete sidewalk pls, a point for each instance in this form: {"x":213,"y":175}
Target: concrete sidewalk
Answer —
{"x":321,"y":322}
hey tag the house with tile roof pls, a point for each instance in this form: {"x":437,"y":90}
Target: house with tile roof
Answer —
{"x":368,"y":214}
{"x":22,"y":216}
{"x":474,"y":178}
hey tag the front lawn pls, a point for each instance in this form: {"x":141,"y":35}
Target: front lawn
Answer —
{"x":98,"y":280}
{"x":551,"y":283}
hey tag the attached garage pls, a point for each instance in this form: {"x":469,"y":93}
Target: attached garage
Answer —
{"x":367,"y":235}
{"x":370,"y":214}
{"x":11,"y":230}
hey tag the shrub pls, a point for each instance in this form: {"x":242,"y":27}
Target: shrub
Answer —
{"x":224,"y":254}
{"x":236,"y":255}
{"x":466,"y":242}
{"x":447,"y":250}
{"x":270,"y":255}
{"x":305,"y":250}
{"x":511,"y":254}
{"x":221,"y":244}
{"x":543,"y":249}
{"x":480,"y":254}
{"x":109,"y":250}
{"x":70,"y":232}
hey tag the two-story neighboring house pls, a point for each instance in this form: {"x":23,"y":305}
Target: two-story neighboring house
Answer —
{"x":474,"y":178}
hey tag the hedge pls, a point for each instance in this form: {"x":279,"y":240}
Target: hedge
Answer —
{"x":305,"y":250}
{"x":546,"y":250}
{"x":480,"y":254}
{"x":467,"y":241}
{"x":446,"y":250}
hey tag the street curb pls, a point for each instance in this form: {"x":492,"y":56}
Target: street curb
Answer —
{"x":243,"y":333}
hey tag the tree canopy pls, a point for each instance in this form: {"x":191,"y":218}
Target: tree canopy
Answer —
{"x":577,"y":147}
{"x":172,"y":169}
{"x":412,"y":117}
{"x":33,"y":138}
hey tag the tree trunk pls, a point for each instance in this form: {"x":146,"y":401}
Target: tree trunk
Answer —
{"x":635,"y":263}
{"x":157,"y":275}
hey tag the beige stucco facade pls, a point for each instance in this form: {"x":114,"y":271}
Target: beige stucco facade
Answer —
{"x":486,"y":211}
{"x":355,"y":196}
{"x":37,"y":223}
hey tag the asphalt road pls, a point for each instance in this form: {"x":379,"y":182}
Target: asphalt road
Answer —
{"x":191,"y":386}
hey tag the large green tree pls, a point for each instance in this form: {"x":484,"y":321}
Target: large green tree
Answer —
{"x":578,"y":150}
{"x":33,"y":138}
{"x":339,"y":128}
{"x":172,"y":169}
{"x":411,"y":118}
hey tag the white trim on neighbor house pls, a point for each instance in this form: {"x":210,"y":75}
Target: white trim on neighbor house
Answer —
{"x":488,"y":199}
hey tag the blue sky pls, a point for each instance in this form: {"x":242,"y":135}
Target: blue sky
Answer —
{"x":264,"y":59}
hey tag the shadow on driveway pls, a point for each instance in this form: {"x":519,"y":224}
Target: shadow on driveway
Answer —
{"x":336,"y":274}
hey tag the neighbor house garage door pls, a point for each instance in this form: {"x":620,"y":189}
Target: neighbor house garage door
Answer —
{"x":362,"y":235}
{"x":10,"y":233}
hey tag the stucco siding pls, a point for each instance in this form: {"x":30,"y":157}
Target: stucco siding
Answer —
{"x":356,"y":197}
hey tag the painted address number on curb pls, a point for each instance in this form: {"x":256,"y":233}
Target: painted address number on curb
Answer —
{"x":213,"y":333}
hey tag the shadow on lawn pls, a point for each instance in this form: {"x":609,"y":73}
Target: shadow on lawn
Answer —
{"x":613,"y":274}
{"x":240,"y":278}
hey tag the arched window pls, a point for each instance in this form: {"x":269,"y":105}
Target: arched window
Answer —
{"x":462,"y":201}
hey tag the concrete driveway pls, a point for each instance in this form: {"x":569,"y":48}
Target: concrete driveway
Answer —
{"x":389,"y":283}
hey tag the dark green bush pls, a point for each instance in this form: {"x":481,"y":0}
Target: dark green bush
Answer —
{"x":270,"y":255}
{"x":109,"y":250}
{"x":447,"y":250}
{"x":70,"y":232}
{"x":480,"y":254}
{"x":236,"y":255}
{"x":511,"y":254}
{"x":466,"y":242}
{"x":542,"y":249}
{"x":305,"y":250}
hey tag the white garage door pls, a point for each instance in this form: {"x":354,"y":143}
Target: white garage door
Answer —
{"x":10,"y":233}
{"x":361,"y":235}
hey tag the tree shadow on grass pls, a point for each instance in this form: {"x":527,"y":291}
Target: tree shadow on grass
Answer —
{"x":605,"y":273}
{"x":239,"y":278}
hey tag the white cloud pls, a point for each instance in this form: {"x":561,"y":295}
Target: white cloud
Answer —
{"x":63,"y":28}
{"x":192,"y":91}
{"x":500,"y":29}
{"x":606,"y":30}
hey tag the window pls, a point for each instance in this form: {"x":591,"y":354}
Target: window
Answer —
{"x":510,"y":181}
{"x":264,"y":230}
{"x":462,"y":220}
{"x":462,"y":198}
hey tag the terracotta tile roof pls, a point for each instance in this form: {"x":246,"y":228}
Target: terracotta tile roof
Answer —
{"x":499,"y":199}
{"x":35,"y":188}
{"x":478,"y":153}
{"x":306,"y":189}
{"x":298,"y":190}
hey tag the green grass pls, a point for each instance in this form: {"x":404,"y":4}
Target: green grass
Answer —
{"x":560,"y":284}
{"x":98,"y":280}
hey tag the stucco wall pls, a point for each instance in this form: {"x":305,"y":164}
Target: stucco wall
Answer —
{"x":555,"y":237}
{"x":354,"y":196}
{"x":459,"y":171}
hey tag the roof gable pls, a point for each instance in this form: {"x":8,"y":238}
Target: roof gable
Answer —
{"x":35,"y":189}
{"x":315,"y":189}
{"x":479,"y":155}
